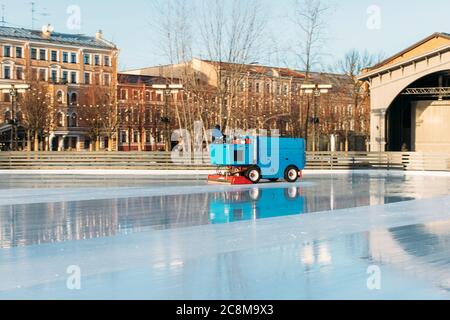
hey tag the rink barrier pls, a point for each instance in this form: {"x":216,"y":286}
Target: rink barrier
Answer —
{"x":163,"y":161}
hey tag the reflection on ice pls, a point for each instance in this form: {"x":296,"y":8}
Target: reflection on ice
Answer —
{"x":36,"y":223}
{"x":273,"y":241}
{"x":417,"y":249}
{"x":255,"y":204}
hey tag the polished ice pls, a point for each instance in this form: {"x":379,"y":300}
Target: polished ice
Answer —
{"x":147,"y":238}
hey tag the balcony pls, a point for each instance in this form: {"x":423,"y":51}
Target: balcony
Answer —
{"x":58,"y":82}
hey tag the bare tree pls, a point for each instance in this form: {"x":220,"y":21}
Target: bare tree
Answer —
{"x":173,"y":20}
{"x":309,"y":19}
{"x":95,"y":112}
{"x":37,"y":111}
{"x":233,"y":35}
{"x":111,"y":119}
{"x":351,"y":65}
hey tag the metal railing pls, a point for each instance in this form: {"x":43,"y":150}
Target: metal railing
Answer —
{"x":379,"y":160}
{"x":163,"y":161}
{"x":98,"y":160}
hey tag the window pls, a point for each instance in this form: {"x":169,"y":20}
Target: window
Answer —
{"x":107,"y":61}
{"x":73,"y":57}
{"x":286,"y":89}
{"x":123,"y":136}
{"x":73,"y":77}
{"x":350,"y":109}
{"x":7,"y":72}
{"x":123,"y":94}
{"x":87,"y":58}
{"x":19,"y":73}
{"x":59,"y":96}
{"x":65,"y":57}
{"x":54,"y":56}
{"x":42,"y":54}
{"x":148,"y":137}
{"x":42,"y":74}
{"x":54,"y":75}
{"x":34,"y":74}
{"x":97,"y":78}
{"x":107,"y":79}
{"x":97,"y":60}
{"x":135,"y":95}
{"x":7,"y":115}
{"x":7,"y":51}
{"x":135,"y":136}
{"x":60,"y":119}
{"x":34,"y":53}
{"x":19,"y":52}
{"x":74,"y":121}
{"x":147,"y":116}
{"x":87,"y":78}
{"x":257,"y":87}
{"x":147,"y":95}
{"x":73,"y":98}
{"x":65,"y":76}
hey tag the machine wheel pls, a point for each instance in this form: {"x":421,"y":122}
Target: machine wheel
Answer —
{"x":273,"y":179}
{"x":255,"y":194}
{"x":291,"y":174}
{"x":253,"y":174}
{"x":291,"y":193}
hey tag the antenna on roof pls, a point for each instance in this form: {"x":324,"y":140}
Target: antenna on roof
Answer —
{"x":3,"y":15}
{"x":34,"y":13}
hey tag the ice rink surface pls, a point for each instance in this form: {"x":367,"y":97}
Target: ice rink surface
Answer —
{"x":361,"y":235}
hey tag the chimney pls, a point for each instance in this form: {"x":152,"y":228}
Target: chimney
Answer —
{"x":99,"y":35}
{"x":47,"y":31}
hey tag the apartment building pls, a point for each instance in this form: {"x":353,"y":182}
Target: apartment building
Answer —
{"x":141,"y":108}
{"x":248,"y":96}
{"x":69,"y":64}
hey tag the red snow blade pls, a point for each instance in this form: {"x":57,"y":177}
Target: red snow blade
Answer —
{"x":228,"y":180}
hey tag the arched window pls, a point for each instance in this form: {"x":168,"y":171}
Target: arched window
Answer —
{"x":59,"y":97}
{"x":74,"y":120}
{"x":60,"y":119}
{"x":73,"y":98}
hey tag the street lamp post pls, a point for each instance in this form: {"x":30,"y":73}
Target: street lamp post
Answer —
{"x":317,"y":90}
{"x":167,"y":91}
{"x":13,"y":91}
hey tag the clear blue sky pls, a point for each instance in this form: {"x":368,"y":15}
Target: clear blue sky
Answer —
{"x":127,"y":23}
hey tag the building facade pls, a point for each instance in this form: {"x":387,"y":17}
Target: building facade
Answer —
{"x":141,"y":108}
{"x":261,"y":97}
{"x":69,"y":65}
